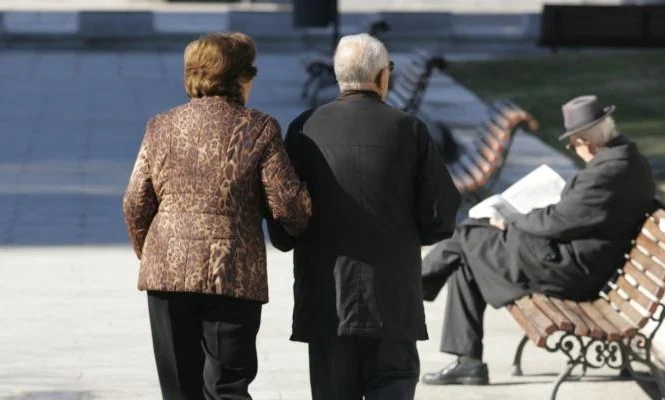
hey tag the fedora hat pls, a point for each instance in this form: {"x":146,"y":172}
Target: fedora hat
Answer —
{"x":582,"y":113}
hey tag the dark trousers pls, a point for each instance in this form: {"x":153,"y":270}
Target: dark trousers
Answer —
{"x":465,"y":306}
{"x":350,"y":367}
{"x":205,"y":345}
{"x":463,"y":318}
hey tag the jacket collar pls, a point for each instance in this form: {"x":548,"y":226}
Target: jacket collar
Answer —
{"x":359,"y":94}
{"x":619,"y":148}
{"x":218,"y":99}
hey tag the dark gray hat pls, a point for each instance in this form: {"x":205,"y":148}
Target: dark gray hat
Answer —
{"x":582,"y":113}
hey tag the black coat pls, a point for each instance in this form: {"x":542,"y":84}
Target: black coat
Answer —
{"x":379,"y":191}
{"x":570,"y":249}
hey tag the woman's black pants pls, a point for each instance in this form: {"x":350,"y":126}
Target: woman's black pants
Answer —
{"x":205,"y":345}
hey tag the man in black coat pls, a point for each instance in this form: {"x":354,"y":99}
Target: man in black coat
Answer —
{"x":569,"y":249}
{"x":379,"y":191}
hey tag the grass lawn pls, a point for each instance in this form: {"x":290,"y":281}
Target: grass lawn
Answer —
{"x":633,"y":81}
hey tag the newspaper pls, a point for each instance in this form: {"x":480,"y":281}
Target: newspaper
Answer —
{"x":539,"y":188}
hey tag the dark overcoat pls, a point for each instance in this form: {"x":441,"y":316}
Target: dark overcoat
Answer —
{"x":379,"y":191}
{"x":569,"y":249}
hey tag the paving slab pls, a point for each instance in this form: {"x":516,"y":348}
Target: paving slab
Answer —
{"x":74,"y":325}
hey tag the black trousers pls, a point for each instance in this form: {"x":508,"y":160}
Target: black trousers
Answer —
{"x":463,"y":330}
{"x":464,"y":314}
{"x":205,"y":345}
{"x":353,"y":368}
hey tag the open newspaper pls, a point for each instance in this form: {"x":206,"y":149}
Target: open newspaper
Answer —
{"x":539,"y":188}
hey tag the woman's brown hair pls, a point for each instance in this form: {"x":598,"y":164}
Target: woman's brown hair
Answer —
{"x":216,"y":64}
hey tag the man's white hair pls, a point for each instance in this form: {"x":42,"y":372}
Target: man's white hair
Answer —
{"x":600,"y":134}
{"x":358,"y":60}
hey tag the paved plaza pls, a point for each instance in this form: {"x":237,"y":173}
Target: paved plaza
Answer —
{"x":73,"y":326}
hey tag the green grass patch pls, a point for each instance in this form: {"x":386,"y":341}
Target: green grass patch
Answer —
{"x":633,"y":81}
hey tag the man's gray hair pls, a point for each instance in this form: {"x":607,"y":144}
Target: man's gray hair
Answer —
{"x":358,"y":60}
{"x":600,"y":134}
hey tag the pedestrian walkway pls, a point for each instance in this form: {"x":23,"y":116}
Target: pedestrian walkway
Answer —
{"x":73,"y":326}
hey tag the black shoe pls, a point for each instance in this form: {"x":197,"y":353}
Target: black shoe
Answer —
{"x":459,"y":373}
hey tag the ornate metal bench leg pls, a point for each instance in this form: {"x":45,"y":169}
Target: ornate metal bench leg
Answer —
{"x":562,"y":377}
{"x":517,"y":361}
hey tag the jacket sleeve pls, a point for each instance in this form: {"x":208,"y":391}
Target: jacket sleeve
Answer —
{"x":581,"y":210}
{"x":287,"y":197}
{"x":140,"y":203}
{"x":437,"y":196}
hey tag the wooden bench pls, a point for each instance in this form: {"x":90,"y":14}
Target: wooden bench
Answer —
{"x":476,"y":168}
{"x":410,"y":81}
{"x":609,"y":330}
{"x":320,"y":69}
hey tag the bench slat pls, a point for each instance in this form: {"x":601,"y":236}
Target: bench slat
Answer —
{"x":466,"y":182}
{"x":536,"y":335}
{"x":580,"y":327}
{"x":649,"y":264}
{"x":491,"y":141}
{"x":501,"y":121}
{"x":596,"y":330}
{"x":498,"y":133}
{"x":651,"y":227}
{"x":487,"y":153}
{"x":611,"y":332}
{"x":412,"y":74}
{"x":474,"y":171}
{"x":627,"y":309}
{"x":652,"y":247}
{"x":659,"y":214}
{"x":405,"y":97}
{"x":523,"y":115}
{"x":553,"y":313}
{"x":643,"y":280}
{"x":507,"y":117}
{"x":625,"y":327}
{"x":406,"y":86}
{"x":634,"y":294}
{"x":480,"y":161}
{"x":535,"y":315}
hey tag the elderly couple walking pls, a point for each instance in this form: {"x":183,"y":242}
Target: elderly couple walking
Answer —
{"x":355,"y":190}
{"x":360,"y":190}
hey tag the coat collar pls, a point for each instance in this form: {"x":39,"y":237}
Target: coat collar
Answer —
{"x":619,"y":148}
{"x":359,"y":94}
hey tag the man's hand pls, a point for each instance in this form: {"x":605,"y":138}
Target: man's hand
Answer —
{"x":498,"y":223}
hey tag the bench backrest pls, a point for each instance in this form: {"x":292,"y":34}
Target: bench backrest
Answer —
{"x":409,"y":84}
{"x":481,"y":164}
{"x":637,"y":291}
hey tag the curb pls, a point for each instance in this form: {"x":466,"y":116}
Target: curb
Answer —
{"x":272,"y":27}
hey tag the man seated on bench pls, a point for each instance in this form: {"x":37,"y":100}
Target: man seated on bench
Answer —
{"x":569,"y":250}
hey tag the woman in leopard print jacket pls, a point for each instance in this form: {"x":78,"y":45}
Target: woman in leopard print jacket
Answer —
{"x":206,"y":174}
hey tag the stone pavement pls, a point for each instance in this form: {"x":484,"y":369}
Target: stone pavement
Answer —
{"x":72,"y":325}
